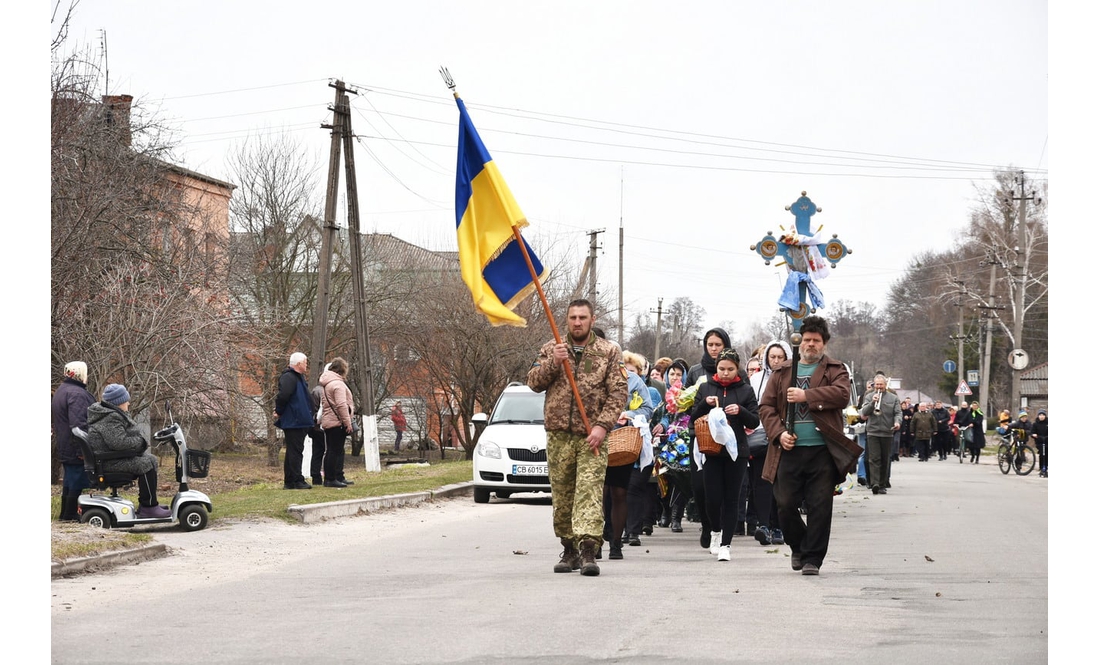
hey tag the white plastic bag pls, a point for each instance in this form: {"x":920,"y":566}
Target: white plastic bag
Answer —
{"x":646,"y":458}
{"x":721,"y":431}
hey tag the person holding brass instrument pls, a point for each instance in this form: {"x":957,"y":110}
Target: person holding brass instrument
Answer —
{"x":882,"y":411}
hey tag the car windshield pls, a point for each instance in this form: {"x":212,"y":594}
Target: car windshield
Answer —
{"x":518,"y":408}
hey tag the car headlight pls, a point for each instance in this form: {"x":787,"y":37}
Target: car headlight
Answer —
{"x":488,"y":449}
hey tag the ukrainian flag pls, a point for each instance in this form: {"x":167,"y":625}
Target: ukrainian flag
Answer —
{"x":492,"y":262}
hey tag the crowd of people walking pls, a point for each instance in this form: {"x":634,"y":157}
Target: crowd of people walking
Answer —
{"x":772,"y":476}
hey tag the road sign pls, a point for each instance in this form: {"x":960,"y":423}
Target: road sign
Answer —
{"x":949,"y":366}
{"x":1018,"y":359}
{"x":963,"y":389}
{"x":972,"y":377}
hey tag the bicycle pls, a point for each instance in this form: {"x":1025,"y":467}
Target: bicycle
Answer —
{"x":1014,"y":453}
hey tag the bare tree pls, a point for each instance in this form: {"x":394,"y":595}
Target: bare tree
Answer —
{"x":137,"y":269}
{"x":273,"y":270}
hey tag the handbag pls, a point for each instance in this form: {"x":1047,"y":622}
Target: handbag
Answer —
{"x":968,"y":435}
{"x":624,"y":445}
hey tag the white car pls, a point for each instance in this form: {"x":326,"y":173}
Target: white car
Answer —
{"x":510,"y":456}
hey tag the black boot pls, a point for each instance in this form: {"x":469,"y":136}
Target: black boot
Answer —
{"x":68,"y":508}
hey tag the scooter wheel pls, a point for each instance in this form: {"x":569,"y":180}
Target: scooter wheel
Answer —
{"x":96,"y":517}
{"x":193,"y":517}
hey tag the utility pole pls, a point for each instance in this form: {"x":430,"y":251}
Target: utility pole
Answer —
{"x":1021,"y":248}
{"x":960,"y":337}
{"x":364,"y":369}
{"x":988,"y":314}
{"x":328,"y":232}
{"x":620,"y":258}
{"x":657,"y":344}
{"x":590,"y":264}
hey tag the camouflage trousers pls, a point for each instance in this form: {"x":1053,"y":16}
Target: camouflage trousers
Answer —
{"x":576,"y":483}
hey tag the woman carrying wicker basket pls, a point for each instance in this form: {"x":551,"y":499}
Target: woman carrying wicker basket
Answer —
{"x":722,"y":474}
{"x":617,"y":478}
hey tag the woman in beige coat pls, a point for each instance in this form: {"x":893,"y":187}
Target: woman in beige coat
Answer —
{"x":337,"y":413}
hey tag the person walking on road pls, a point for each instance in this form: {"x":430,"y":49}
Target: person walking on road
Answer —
{"x":941,"y":440}
{"x":1039,"y":438}
{"x":809,"y":456}
{"x":924,"y":428}
{"x":578,"y":458}
{"x":294,"y":416}
{"x":977,"y":433}
{"x":882,"y":411}
{"x":724,"y":473}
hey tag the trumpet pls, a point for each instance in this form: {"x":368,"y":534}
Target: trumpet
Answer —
{"x":877,"y":401}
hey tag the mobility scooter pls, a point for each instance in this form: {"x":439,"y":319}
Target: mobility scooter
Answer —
{"x":190,"y":508}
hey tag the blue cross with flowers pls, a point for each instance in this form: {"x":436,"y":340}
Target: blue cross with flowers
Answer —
{"x":805,"y":254}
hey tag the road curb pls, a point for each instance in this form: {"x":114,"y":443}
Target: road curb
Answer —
{"x":106,"y":560}
{"x":317,"y":512}
{"x":307,"y":514}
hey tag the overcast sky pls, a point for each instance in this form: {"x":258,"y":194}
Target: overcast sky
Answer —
{"x":695,"y":128}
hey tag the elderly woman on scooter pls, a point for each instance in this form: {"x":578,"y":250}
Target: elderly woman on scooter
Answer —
{"x":111,"y":429}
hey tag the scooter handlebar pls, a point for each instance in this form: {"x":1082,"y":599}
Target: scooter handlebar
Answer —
{"x":166,"y":433}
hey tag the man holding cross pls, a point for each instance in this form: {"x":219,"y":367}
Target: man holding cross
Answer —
{"x":576,"y":456}
{"x":808,"y":453}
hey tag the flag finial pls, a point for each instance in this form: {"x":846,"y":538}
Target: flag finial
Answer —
{"x":448,"y":80}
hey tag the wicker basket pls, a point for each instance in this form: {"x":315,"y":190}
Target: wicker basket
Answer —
{"x":707,"y":444}
{"x":624,"y":445}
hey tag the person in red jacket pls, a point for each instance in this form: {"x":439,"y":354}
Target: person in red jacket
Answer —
{"x":399,"y":424}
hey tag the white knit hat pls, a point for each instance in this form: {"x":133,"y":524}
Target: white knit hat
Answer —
{"x":77,"y":370}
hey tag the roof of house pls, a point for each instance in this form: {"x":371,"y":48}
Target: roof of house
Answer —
{"x":399,"y":254}
{"x":1033,"y":381}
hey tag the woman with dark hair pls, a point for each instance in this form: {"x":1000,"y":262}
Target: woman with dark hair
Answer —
{"x":714,"y":342}
{"x":337,"y":411}
{"x":724,"y":473}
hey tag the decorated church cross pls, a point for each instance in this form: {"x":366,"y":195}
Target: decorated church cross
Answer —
{"x":808,"y":258}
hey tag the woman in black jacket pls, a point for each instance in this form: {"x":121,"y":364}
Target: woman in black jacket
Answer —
{"x":1039,"y":438}
{"x":722,"y":474}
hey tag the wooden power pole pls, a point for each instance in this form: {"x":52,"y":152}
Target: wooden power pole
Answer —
{"x":364,"y":371}
{"x":328,"y":233}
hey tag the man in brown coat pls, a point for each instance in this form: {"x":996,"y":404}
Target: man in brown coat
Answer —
{"x":578,"y":457}
{"x":806,"y":464}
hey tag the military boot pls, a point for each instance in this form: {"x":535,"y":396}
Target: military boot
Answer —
{"x":588,"y":557}
{"x":570,"y":557}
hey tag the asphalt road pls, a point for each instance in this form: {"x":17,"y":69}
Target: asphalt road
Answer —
{"x":950,"y":567}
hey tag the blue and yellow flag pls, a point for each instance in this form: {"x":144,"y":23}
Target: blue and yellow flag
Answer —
{"x":492,"y":262}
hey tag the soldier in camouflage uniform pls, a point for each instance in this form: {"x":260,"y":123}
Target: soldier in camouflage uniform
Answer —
{"x":578,"y":458}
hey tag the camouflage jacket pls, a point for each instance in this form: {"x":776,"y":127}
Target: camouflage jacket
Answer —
{"x":601,"y":381}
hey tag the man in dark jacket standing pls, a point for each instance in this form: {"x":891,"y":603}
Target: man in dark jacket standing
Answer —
{"x":807,"y":463}
{"x":294,"y":415}
{"x":69,"y":409}
{"x":941,"y":441}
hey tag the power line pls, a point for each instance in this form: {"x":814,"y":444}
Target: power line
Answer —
{"x":614,"y":127}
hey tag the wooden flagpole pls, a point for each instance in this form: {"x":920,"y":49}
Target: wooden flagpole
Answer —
{"x":568,"y":368}
{"x":554,"y":327}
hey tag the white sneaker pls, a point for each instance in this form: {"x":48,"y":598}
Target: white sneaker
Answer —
{"x":724,"y":553}
{"x":715,"y":541}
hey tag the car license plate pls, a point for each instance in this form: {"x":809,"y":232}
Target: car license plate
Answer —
{"x":529,"y":470}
